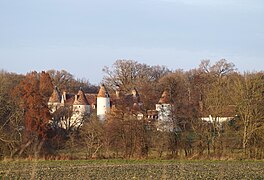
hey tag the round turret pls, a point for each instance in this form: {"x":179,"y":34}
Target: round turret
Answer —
{"x":54,"y":100}
{"x":80,"y":103}
{"x":103,"y":103}
{"x":164,"y":109}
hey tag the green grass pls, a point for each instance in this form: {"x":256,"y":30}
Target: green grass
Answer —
{"x":132,"y":169}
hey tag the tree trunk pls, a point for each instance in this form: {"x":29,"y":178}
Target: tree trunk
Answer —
{"x":245,"y":139}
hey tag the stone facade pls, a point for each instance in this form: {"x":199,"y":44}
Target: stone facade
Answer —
{"x":68,"y":109}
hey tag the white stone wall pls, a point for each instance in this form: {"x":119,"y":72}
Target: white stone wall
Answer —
{"x":103,"y":107}
{"x":164,"y":122}
{"x":216,"y":119}
{"x":164,"y":112}
{"x":54,"y":106}
{"x":79,"y":111}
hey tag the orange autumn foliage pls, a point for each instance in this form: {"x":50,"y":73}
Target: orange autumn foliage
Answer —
{"x":32,"y":94}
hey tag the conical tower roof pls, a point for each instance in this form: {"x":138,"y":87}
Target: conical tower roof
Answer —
{"x":55,"y":96}
{"x":102,"y":92}
{"x":81,"y":98}
{"x":165,"y":97}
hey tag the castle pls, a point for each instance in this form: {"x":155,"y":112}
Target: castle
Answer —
{"x":69,"y":109}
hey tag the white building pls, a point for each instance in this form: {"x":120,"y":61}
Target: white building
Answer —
{"x":68,"y":110}
{"x":81,"y":107}
{"x":162,"y":116}
{"x":218,"y":120}
{"x":164,"y":109}
{"x":103,"y":103}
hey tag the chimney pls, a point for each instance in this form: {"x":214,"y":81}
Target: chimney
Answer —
{"x":63,"y":98}
{"x":117,"y":93}
{"x":134,"y":92}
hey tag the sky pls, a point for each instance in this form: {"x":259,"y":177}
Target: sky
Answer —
{"x":83,"y":36}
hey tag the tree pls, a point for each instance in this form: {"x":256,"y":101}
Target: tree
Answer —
{"x":220,"y":68}
{"x":184,"y":109}
{"x":10,"y":115}
{"x":125,"y":134}
{"x":65,"y":81}
{"x":216,"y":99}
{"x":62,"y":79}
{"x":250,"y":109}
{"x":33,"y":93}
{"x":129,"y":74}
{"x":91,"y":134}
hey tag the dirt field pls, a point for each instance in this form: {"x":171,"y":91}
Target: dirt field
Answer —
{"x":121,"y":169}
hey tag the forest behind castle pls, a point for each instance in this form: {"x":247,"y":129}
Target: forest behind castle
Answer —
{"x":217,"y":89}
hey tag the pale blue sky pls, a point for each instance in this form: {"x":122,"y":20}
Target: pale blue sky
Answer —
{"x":82,"y":36}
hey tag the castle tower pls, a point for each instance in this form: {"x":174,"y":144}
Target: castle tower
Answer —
{"x":54,"y":100}
{"x":80,"y":104}
{"x":164,"y":108}
{"x":103,"y":103}
{"x":81,"y":107}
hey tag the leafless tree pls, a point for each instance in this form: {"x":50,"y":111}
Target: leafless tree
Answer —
{"x":249,"y":103}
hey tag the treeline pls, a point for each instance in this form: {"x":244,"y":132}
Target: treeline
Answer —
{"x":215,"y":89}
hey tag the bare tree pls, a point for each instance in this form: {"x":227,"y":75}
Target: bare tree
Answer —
{"x":220,"y":68}
{"x":129,"y":74}
{"x":249,"y":103}
{"x":216,"y":96}
{"x":10,"y":115}
{"x":62,"y":79}
{"x":65,"y":81}
{"x":91,"y":134}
